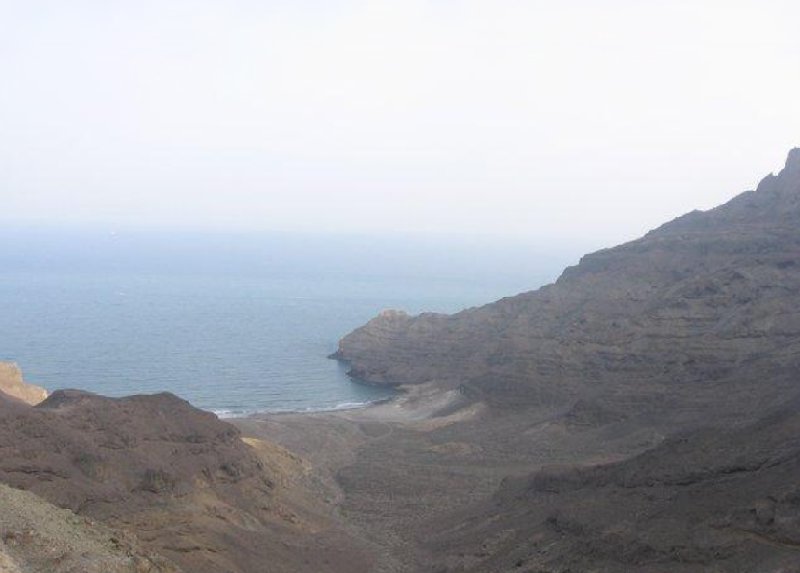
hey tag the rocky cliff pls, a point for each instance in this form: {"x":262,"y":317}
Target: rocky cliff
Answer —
{"x":12,"y":384}
{"x":698,"y":316}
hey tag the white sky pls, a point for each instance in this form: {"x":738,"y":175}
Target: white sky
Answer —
{"x":548,"y":120}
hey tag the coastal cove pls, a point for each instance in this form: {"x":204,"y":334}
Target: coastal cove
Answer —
{"x":234,"y":338}
{"x":563,"y":429}
{"x":400,"y":287}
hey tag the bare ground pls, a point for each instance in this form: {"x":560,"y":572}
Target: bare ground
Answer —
{"x":392,"y":471}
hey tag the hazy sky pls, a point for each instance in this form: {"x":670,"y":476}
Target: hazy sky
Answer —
{"x":547,"y":120}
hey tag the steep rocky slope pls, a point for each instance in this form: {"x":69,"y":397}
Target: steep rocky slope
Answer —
{"x":699,"y":316}
{"x":710,"y":500}
{"x":12,"y":384}
{"x":180,"y":479}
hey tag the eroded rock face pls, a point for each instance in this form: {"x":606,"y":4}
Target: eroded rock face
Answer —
{"x":12,"y":384}
{"x":705,"y":302}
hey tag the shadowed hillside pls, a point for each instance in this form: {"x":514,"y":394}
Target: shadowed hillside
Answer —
{"x":712,"y":500}
{"x":181,"y":480}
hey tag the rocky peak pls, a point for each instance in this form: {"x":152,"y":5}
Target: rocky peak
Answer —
{"x":788,"y":180}
{"x":773,"y":206}
{"x":793,"y":163}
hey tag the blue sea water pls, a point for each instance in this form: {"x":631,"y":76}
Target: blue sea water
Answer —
{"x":221,"y":327}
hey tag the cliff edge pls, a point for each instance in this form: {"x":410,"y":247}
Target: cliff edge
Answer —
{"x":12,"y":384}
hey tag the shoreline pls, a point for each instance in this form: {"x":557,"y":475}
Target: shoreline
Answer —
{"x":343,"y":407}
{"x":421,"y":405}
{"x":399,"y":392}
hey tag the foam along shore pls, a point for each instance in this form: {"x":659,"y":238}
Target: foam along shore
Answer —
{"x":233,"y":413}
{"x":412,"y":404}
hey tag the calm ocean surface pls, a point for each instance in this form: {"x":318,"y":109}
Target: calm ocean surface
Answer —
{"x":227,"y":338}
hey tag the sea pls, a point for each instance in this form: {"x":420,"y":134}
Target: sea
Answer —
{"x":234,"y":323}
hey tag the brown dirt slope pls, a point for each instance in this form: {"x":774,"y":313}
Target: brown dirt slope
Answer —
{"x":37,"y":537}
{"x":694,"y":324}
{"x":183,"y":481}
{"x":710,"y":500}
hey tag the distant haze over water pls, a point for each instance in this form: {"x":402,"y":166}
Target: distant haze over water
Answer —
{"x":235,"y":324}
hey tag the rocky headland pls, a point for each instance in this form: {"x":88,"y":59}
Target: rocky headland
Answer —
{"x":698,"y":318}
{"x":12,"y":384}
